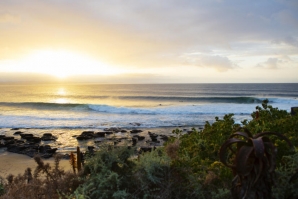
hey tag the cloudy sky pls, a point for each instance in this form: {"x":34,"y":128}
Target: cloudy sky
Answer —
{"x":149,"y":41}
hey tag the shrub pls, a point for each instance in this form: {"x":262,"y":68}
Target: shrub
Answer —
{"x":253,"y":163}
{"x":46,"y":182}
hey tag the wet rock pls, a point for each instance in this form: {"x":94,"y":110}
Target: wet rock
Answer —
{"x":136,"y":131}
{"x":153,"y":136}
{"x":18,"y":132}
{"x":19,"y":141}
{"x":8,"y":142}
{"x":30,"y":152}
{"x":48,"y":137}
{"x":139,"y":137}
{"x":33,"y":139}
{"x":134,"y":141}
{"x":86,"y":135}
{"x":100,"y":134}
{"x":8,"y":138}
{"x":44,"y":148}
{"x":52,"y":150}
{"x":113,"y":129}
{"x":26,"y":135}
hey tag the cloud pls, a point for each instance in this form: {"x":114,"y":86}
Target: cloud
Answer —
{"x":219,"y":63}
{"x":271,"y":63}
{"x":154,"y":34}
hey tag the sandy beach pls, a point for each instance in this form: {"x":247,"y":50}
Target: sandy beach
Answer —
{"x":12,"y":163}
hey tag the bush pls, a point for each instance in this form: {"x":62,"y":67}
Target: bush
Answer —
{"x":46,"y":182}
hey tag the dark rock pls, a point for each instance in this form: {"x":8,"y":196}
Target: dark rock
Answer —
{"x":18,"y":132}
{"x":153,"y":136}
{"x":134,"y":141}
{"x":109,"y":132}
{"x":88,"y":133}
{"x":8,"y":138}
{"x":84,"y":137}
{"x":48,"y":137}
{"x":139,"y":137}
{"x":26,"y":135}
{"x":52,"y":150}
{"x":47,"y":134}
{"x":100,"y":134}
{"x":123,"y":131}
{"x":8,"y":142}
{"x":30,"y":152}
{"x":44,"y":148}
{"x":2,"y":136}
{"x":136,"y":131}
{"x":15,"y":129}
{"x":113,"y":129}
{"x":33,"y":139}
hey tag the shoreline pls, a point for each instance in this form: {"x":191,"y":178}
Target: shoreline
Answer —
{"x":14,"y":163}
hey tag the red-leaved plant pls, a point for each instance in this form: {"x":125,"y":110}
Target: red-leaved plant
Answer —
{"x":252,"y":159}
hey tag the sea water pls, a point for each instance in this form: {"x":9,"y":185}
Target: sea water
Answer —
{"x":155,"y":105}
{"x":66,"y":109}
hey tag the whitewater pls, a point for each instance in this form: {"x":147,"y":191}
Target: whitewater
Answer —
{"x":81,"y":106}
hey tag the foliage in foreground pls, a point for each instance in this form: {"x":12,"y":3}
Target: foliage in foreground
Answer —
{"x":46,"y":182}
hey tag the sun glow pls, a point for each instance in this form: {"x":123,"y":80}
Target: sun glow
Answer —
{"x":61,"y":64}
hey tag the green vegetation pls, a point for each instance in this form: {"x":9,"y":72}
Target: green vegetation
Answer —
{"x":193,"y":165}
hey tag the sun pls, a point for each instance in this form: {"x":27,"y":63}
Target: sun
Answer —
{"x":63,"y":63}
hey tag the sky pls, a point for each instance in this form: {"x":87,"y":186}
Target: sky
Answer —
{"x":149,"y":41}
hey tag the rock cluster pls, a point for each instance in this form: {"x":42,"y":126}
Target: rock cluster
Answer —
{"x":28,"y":144}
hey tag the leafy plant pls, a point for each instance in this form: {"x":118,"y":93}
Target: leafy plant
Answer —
{"x":253,"y":163}
{"x":287,"y":178}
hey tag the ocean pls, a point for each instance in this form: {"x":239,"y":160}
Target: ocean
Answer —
{"x":68,"y":109}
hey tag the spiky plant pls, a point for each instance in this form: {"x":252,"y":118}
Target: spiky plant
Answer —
{"x":252,"y":159}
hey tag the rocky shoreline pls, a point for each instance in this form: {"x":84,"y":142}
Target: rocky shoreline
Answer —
{"x":30,"y":144}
